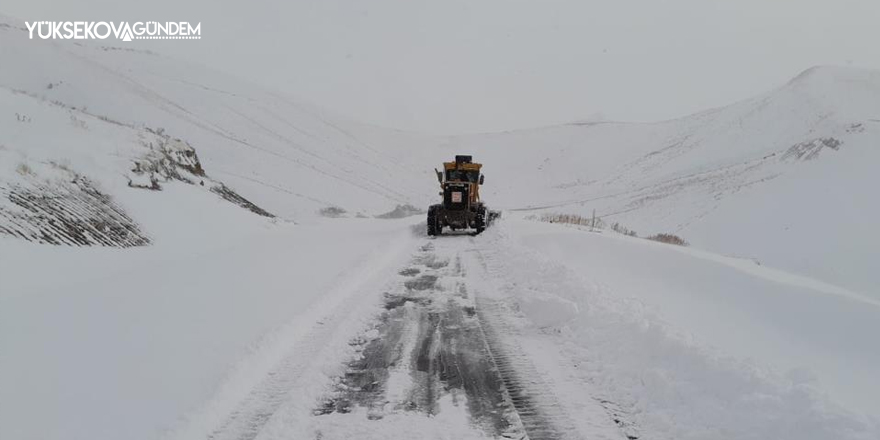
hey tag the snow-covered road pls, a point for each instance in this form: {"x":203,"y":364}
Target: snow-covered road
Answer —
{"x":439,"y":359}
{"x":501,"y":336}
{"x":361,"y":328}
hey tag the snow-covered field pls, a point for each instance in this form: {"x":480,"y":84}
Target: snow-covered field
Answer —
{"x":184,"y":255}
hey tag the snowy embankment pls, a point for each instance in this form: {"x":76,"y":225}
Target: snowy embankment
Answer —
{"x":696,"y":345}
{"x":106,"y":343}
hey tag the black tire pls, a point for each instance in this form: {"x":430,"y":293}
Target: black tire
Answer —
{"x":434,"y":227}
{"x":480,"y":221}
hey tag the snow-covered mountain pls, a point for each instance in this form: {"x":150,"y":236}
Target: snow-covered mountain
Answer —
{"x":120,"y":118}
{"x":786,"y":178}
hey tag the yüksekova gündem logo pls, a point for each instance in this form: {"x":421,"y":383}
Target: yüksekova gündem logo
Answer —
{"x":125,"y":31}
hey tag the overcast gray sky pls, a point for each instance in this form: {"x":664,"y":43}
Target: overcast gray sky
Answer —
{"x":452,"y":66}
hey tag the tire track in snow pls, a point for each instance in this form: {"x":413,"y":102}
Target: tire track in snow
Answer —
{"x":533,"y":361}
{"x":438,"y":348}
{"x":251,"y":415}
{"x":447,"y":357}
{"x":292,"y":356}
{"x":463,"y":347}
{"x":542,"y":417}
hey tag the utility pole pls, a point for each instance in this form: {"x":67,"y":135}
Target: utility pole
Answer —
{"x":593,"y":223}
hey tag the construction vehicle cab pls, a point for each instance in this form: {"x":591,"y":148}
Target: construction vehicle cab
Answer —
{"x":460,"y":188}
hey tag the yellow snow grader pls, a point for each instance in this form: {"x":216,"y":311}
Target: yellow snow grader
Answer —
{"x":461,"y":208}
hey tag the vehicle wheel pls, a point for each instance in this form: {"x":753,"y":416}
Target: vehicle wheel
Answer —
{"x":480,"y":221}
{"x":434,"y":227}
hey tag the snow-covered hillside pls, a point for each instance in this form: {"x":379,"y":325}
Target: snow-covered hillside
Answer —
{"x":787,"y":178}
{"x":199,"y":176}
{"x":109,"y":115}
